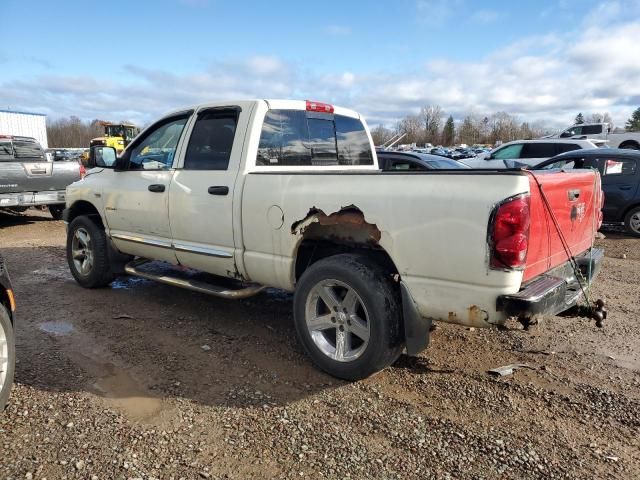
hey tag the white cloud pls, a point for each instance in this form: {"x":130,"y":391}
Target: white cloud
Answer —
{"x":338,"y":30}
{"x":547,"y":78}
{"x":437,"y":11}
{"x":486,"y":17}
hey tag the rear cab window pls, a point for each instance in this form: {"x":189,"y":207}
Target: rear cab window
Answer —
{"x":311,"y":140}
{"x":20,"y":150}
{"x":6,"y":150}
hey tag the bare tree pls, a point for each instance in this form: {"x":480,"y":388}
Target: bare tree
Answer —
{"x":72,"y":132}
{"x":431,"y":119}
{"x":381,"y":134}
{"x":412,"y":127}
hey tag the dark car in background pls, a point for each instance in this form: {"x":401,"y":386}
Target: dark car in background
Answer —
{"x":403,"y":161}
{"x":620,"y":172}
{"x":7,"y":339}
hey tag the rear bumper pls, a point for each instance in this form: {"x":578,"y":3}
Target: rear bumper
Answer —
{"x":30,"y":199}
{"x":553,"y":292}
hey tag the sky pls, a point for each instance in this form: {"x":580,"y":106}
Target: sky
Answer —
{"x":540,"y":60}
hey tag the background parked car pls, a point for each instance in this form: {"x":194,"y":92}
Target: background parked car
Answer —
{"x":29,"y":179}
{"x":7,"y":341}
{"x":522,"y":153}
{"x":620,"y":171}
{"x":403,"y":161}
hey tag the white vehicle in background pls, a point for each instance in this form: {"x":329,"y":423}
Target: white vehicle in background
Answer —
{"x":602,"y":131}
{"x":522,"y":153}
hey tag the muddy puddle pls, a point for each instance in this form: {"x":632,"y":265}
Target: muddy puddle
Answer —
{"x":56,"y":328}
{"x":128,"y":282}
{"x":47,"y":273}
{"x":113,"y":383}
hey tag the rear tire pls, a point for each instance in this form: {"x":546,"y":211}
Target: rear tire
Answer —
{"x":632,"y":222}
{"x":347,"y":315}
{"x":56,"y":211}
{"x":7,"y":356}
{"x":88,"y":253}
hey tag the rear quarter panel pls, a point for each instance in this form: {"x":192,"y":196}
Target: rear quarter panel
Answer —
{"x":432,"y":224}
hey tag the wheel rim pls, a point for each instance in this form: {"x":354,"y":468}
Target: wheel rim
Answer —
{"x":337,"y":320}
{"x":4,"y":357}
{"x":81,"y":251}
{"x":634,"y":222}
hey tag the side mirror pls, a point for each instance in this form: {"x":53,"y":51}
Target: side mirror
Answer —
{"x":565,"y":134}
{"x":102,"y":157}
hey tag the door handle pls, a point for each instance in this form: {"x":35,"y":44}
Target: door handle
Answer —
{"x":156,"y":188}
{"x":218,"y":190}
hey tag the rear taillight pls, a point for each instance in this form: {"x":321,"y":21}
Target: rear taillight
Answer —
{"x":83,"y":171}
{"x":509,"y":233}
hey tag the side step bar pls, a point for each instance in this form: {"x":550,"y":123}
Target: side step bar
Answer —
{"x":132,"y":269}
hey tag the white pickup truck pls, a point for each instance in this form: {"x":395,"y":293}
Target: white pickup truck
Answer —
{"x":288,"y":194}
{"x":602,"y":131}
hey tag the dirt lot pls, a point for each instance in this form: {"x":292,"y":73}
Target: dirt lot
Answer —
{"x":147,"y":381}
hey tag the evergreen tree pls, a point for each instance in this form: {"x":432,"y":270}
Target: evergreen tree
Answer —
{"x":633,"y":124}
{"x":449,"y":132}
{"x":579,"y":119}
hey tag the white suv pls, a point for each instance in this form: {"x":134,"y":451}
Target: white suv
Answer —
{"x":528,"y":152}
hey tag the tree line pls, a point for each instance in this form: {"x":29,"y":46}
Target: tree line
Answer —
{"x":432,"y":125}
{"x":428,"y":126}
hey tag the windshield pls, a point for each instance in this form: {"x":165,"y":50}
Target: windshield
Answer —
{"x":128,"y":133}
{"x":445,"y":164}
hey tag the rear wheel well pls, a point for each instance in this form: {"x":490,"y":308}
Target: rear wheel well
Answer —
{"x":630,"y":144}
{"x":310,"y":251}
{"x":83,"y":207}
{"x":626,"y":212}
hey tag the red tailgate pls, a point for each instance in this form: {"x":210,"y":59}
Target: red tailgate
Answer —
{"x":575,"y":200}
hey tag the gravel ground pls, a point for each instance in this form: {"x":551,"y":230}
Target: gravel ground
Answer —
{"x":147,"y":381}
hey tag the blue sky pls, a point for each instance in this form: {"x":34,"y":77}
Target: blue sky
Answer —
{"x":539,"y":60}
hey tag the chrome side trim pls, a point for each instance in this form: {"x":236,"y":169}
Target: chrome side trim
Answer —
{"x":212,"y":252}
{"x":144,"y":241}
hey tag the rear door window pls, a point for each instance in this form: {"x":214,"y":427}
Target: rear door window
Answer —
{"x":301,"y":138}
{"x":211,"y":140}
{"x":566,"y":147}
{"x":591,"y":129}
{"x":619,"y":166}
{"x":538,"y":150}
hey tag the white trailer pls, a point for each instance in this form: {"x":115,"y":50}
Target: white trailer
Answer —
{"x":24,"y":124}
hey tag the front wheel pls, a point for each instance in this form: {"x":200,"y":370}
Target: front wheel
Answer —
{"x":632,"y":222}
{"x":88,"y":253}
{"x":347,"y":316}
{"x":7,"y":356}
{"x":56,"y":211}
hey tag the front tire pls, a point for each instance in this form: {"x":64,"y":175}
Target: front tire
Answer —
{"x":56,"y":211}
{"x":347,"y":316}
{"x":88,"y":253}
{"x":7,"y":356}
{"x":632,"y":222}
